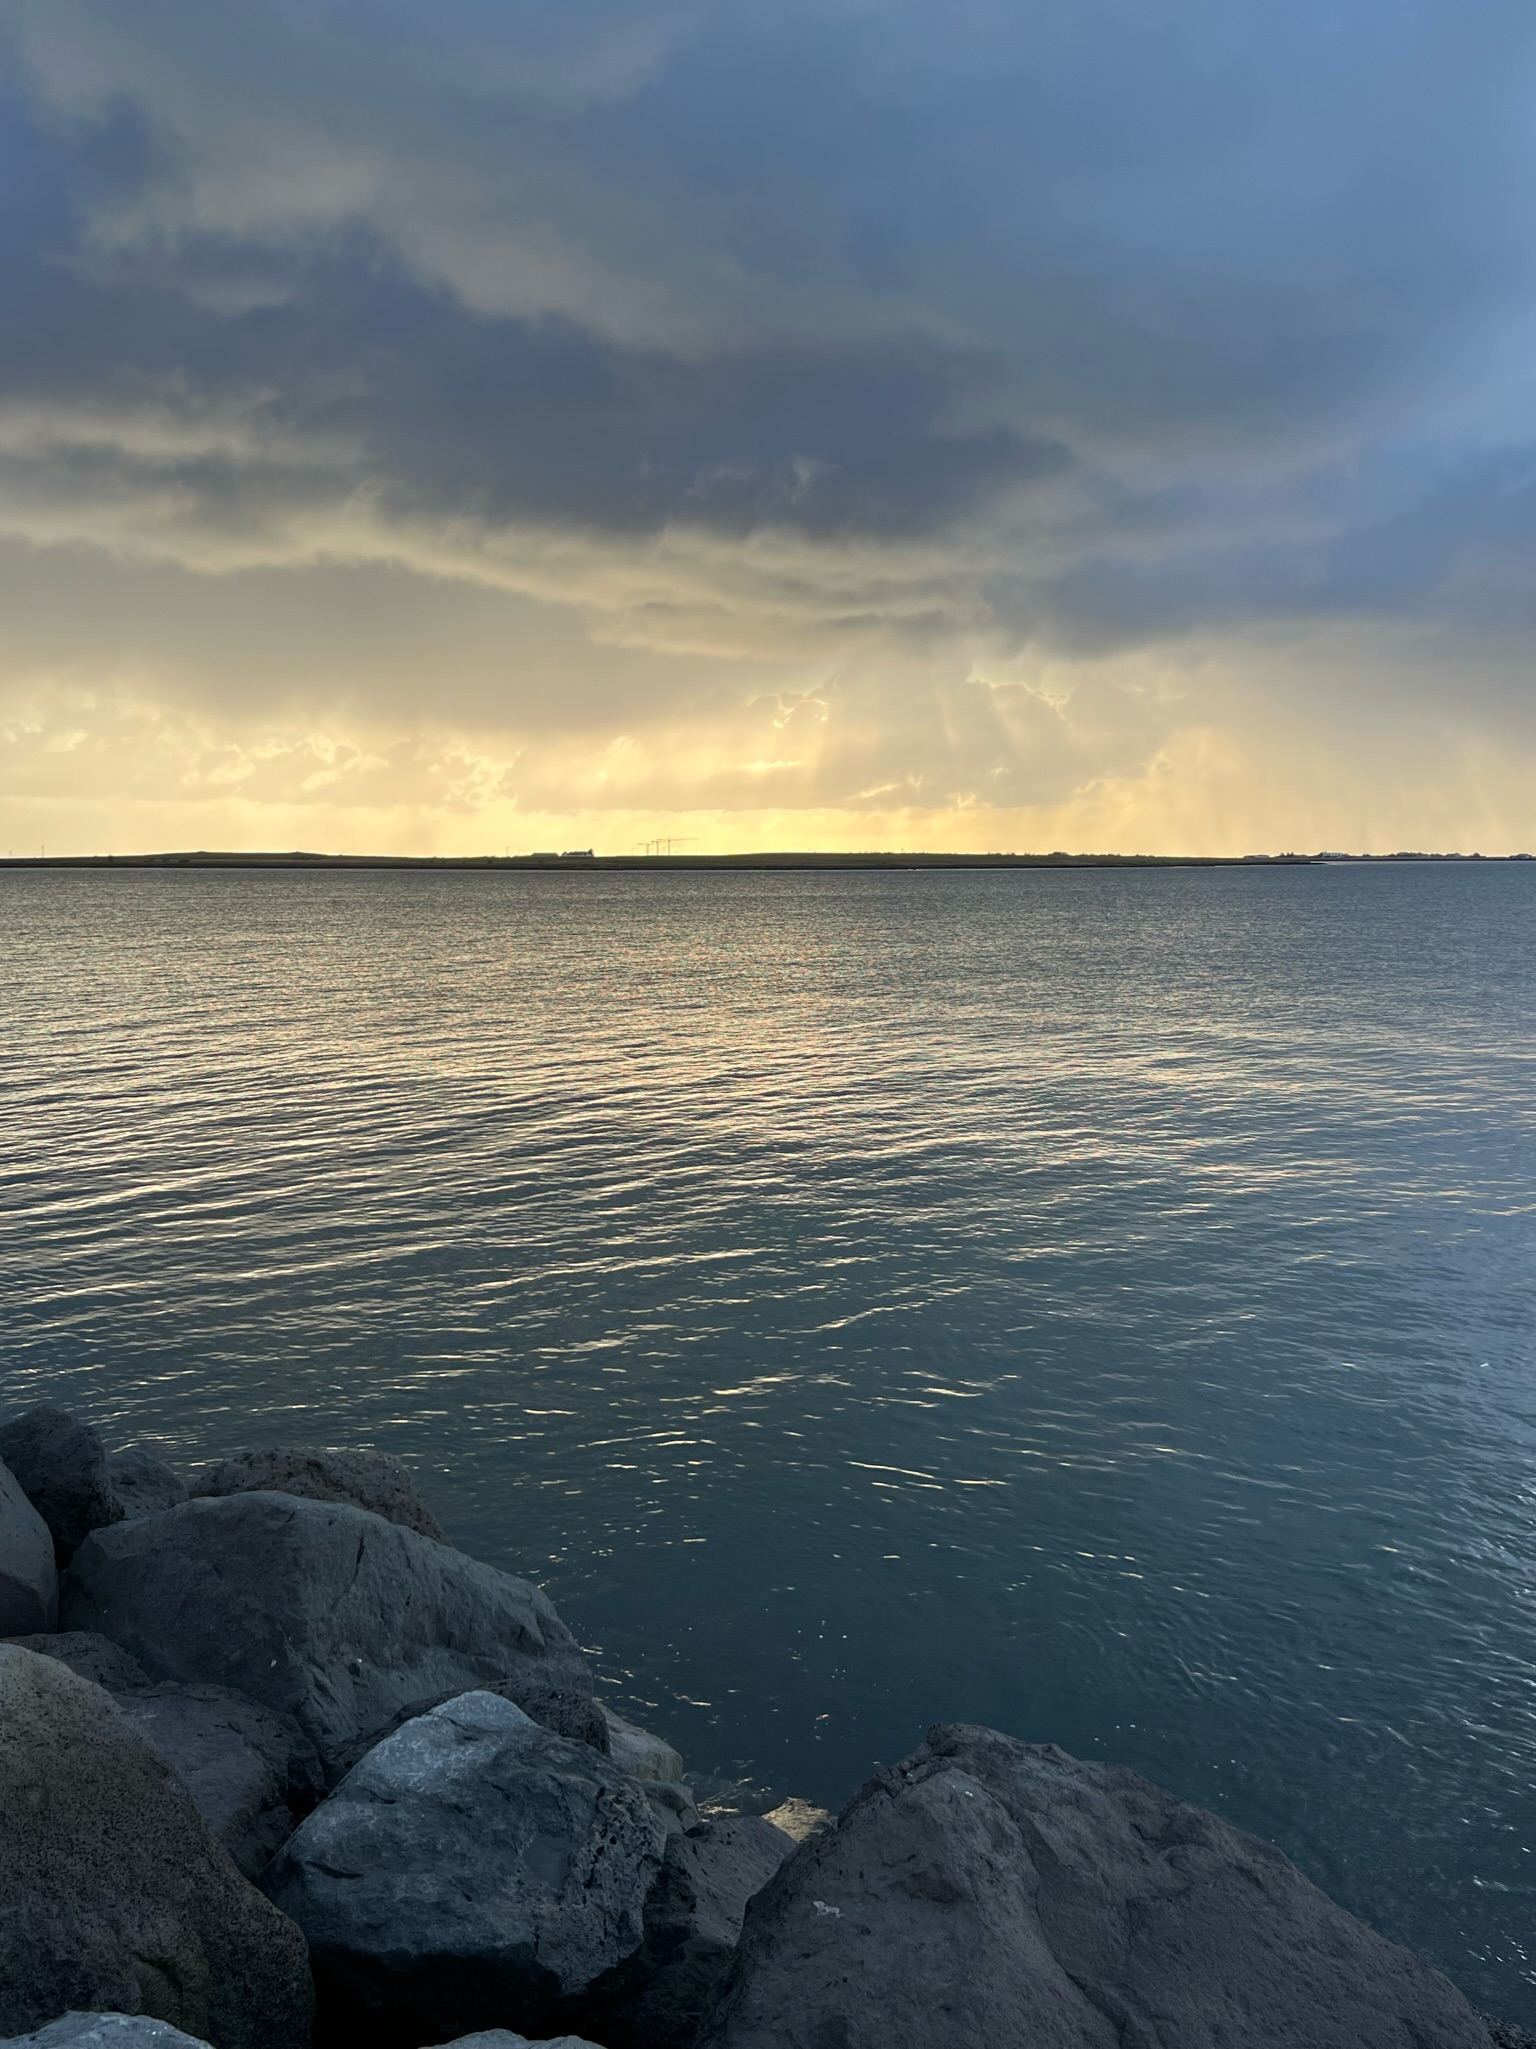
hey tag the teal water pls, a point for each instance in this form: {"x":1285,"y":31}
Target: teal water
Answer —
{"x":1099,"y":1304}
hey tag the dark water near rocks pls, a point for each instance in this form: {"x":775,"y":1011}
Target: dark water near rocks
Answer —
{"x":1098,"y":1304}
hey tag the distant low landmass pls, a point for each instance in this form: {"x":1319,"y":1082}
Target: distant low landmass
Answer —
{"x":588,"y":858}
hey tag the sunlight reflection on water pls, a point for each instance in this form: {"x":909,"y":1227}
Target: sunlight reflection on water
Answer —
{"x":1099,"y":1304}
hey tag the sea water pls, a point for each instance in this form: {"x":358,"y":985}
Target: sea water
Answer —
{"x":1098,"y":1304}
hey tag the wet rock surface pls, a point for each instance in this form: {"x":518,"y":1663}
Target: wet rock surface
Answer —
{"x":324,"y":1612}
{"x":114,"y":1896}
{"x":990,"y":1894}
{"x":475,"y":1870}
{"x":363,"y":1479}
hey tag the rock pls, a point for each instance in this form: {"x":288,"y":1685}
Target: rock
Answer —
{"x":498,"y":2038}
{"x":324,"y":1612}
{"x":576,"y":1715}
{"x":143,"y":1482}
{"x":89,"y":1657}
{"x":989,"y":1894}
{"x":113,"y":1894}
{"x":638,"y":1752}
{"x":29,"y":1579}
{"x":692,"y":1925}
{"x":799,"y":1819}
{"x":1506,"y":2035}
{"x":105,"y":2031}
{"x":474,"y":1869}
{"x":253,"y":1774}
{"x":363,"y":1479}
{"x":62,"y":1468}
{"x":673,"y":1803}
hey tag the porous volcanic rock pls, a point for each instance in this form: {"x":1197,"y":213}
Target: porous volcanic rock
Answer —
{"x":114,"y":1897}
{"x":253,"y":1774}
{"x":364,"y":1479}
{"x":143,"y":1481}
{"x":692,"y":1925}
{"x":324,"y":1612}
{"x":990,"y":1894}
{"x":88,"y":1656}
{"x":62,"y":1467}
{"x":29,"y":1578}
{"x":474,"y":1871}
{"x":105,"y":2031}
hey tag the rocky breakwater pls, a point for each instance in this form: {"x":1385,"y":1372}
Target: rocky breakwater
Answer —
{"x":277,"y":1764}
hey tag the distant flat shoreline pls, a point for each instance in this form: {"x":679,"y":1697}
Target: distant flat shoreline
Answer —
{"x":653,"y":862}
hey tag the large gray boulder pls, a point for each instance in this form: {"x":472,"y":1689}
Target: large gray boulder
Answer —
{"x":114,"y":1897}
{"x":989,"y":1894}
{"x":29,"y":1579}
{"x":692,"y":1926}
{"x":105,"y":2031}
{"x":252,"y":1773}
{"x":323,"y":1612}
{"x":62,"y":1467}
{"x":363,"y":1479}
{"x":474,"y":1871}
{"x":143,"y":1482}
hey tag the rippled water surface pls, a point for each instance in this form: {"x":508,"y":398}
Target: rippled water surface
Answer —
{"x":1099,"y":1304}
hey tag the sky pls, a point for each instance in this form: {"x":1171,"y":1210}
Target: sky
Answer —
{"x":498,"y":425}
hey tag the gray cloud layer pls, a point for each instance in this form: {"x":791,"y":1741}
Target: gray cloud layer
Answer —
{"x":746,"y":329}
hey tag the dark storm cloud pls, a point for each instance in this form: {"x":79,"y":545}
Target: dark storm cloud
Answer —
{"x":1120,"y":303}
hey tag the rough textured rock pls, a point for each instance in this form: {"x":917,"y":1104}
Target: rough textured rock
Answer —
{"x":989,"y":1894}
{"x":105,"y":2031}
{"x":1506,"y":2035}
{"x":62,"y":1468}
{"x":29,"y":1579}
{"x":324,"y":1612}
{"x":474,"y":1871}
{"x":498,"y":2038}
{"x":89,"y":1656}
{"x":364,"y":1479}
{"x":638,"y":1752}
{"x":799,"y":1819}
{"x":143,"y":1482}
{"x":114,"y":1897}
{"x":253,"y":1774}
{"x":576,"y":1715}
{"x":692,"y":1925}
